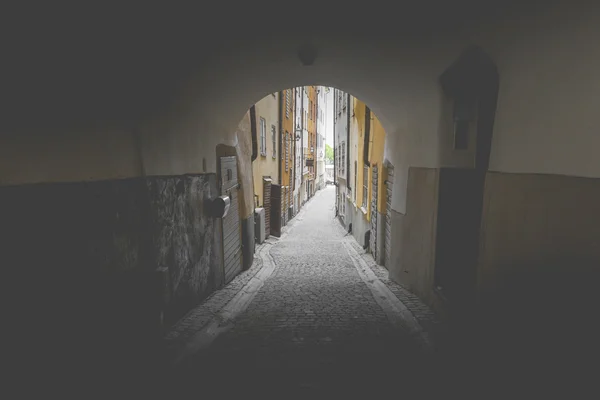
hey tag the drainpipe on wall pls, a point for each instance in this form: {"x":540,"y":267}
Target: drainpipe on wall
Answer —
{"x":253,"y":130}
{"x":302,"y":138}
{"x":367,"y":136}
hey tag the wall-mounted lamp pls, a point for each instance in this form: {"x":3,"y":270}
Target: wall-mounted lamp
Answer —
{"x":297,"y":138}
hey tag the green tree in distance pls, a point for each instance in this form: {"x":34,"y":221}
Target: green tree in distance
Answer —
{"x":329,"y":153}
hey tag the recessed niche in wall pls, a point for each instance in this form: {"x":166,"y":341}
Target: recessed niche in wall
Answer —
{"x":461,"y":135}
{"x":464,"y":112}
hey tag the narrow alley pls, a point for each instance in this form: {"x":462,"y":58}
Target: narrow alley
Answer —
{"x":320,"y":321}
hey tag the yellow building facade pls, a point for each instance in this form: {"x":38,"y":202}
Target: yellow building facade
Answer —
{"x":370,"y":142}
{"x":287,"y":149}
{"x":266,"y":165}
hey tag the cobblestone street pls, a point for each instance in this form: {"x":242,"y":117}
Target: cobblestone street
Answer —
{"x":322,"y":319}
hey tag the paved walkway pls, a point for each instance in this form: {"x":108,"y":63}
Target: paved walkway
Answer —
{"x":313,"y":315}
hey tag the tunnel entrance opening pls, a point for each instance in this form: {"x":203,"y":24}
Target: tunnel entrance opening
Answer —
{"x":317,"y":133}
{"x":319,"y":307}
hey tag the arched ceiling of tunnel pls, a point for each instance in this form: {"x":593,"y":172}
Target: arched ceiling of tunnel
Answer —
{"x":102,"y":65}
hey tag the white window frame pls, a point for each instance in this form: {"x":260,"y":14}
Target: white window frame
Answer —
{"x":263,"y":136}
{"x":287,"y":150}
{"x":274,"y":140}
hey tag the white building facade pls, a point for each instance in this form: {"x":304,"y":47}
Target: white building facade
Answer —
{"x":341,"y":138}
{"x":321,"y":134}
{"x":298,"y":146}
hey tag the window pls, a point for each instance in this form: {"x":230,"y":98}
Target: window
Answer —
{"x":287,"y":150}
{"x":343,"y":158}
{"x":288,"y":103}
{"x":274,"y":139}
{"x":355,"y":177}
{"x":335,"y":157}
{"x":365,"y":186}
{"x":263,"y":137}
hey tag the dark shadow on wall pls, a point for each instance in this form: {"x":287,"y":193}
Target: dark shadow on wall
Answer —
{"x":471,"y":83}
{"x":82,"y":270}
{"x":535,"y":330}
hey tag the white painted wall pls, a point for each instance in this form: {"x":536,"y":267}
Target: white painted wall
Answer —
{"x":341,"y":123}
{"x":547,"y":114}
{"x":329,"y":117}
{"x":353,"y":154}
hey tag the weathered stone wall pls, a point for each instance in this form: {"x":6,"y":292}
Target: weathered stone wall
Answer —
{"x":80,"y":264}
{"x":187,"y":242}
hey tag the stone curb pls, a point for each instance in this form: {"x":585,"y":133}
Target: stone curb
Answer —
{"x":428,"y":320}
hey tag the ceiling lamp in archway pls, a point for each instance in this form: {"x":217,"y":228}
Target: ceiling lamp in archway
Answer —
{"x":307,"y":53}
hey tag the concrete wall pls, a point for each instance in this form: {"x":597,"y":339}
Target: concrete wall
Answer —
{"x":534,"y":112}
{"x":414,"y":234}
{"x":540,"y":217}
{"x":560,"y":234}
{"x":557,"y":123}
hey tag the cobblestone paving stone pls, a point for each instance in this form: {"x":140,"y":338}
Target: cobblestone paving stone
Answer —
{"x":314,"y":324}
